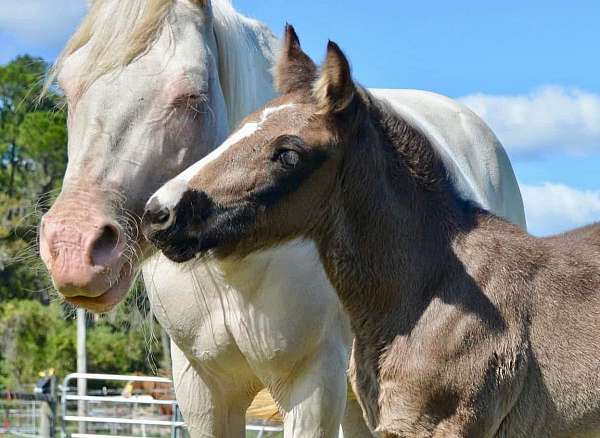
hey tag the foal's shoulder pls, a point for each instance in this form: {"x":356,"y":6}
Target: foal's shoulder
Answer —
{"x":502,"y":258}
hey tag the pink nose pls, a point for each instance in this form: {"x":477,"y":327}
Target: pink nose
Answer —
{"x":84,"y":257}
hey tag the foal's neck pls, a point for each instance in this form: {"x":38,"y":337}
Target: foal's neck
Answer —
{"x":388,"y":248}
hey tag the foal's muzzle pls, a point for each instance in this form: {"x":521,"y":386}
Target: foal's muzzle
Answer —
{"x":179,"y":231}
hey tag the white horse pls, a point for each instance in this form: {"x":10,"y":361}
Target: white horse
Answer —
{"x":152,"y":87}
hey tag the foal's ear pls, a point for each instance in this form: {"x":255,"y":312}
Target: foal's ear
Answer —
{"x":201,"y":3}
{"x":295,"y":70}
{"x":335,"y":89}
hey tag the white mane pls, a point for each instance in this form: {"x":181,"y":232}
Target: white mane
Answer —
{"x":117,"y":32}
{"x":246,"y":56}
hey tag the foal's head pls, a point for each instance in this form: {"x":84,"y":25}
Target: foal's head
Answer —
{"x":273,"y":179}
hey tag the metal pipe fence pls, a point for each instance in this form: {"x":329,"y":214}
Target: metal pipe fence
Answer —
{"x":109,"y":414}
{"x":112,"y":414}
{"x":105,"y":411}
{"x":26,"y":414}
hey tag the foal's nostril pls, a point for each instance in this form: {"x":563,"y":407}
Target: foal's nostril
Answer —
{"x":157,"y":216}
{"x":162,"y":216}
{"x":104,"y":247}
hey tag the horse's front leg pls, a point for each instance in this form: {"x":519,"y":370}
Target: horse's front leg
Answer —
{"x":208,"y":409}
{"x":313,"y":397}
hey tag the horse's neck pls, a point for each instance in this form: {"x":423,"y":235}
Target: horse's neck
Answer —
{"x":391,"y":244}
{"x":246,"y":53}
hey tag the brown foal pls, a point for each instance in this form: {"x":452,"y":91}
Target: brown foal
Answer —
{"x":465,"y":325}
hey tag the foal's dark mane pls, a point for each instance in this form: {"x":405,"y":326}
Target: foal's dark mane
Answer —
{"x":416,"y":152}
{"x":410,"y":152}
{"x":397,"y":216}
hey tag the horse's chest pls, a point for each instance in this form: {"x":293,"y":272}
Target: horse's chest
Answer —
{"x":192,"y":312}
{"x":265,"y":316}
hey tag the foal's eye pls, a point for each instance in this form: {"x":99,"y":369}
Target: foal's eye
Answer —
{"x":289,"y":158}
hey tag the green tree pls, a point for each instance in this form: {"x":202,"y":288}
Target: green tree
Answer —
{"x":33,"y":337}
{"x":118,"y":351}
{"x":34,"y":334}
{"x":33,"y":158}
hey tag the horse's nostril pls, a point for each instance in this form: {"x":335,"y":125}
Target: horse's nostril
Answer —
{"x":103,"y":248}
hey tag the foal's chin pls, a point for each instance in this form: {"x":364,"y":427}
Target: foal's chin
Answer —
{"x":186,"y":250}
{"x":180,"y":254}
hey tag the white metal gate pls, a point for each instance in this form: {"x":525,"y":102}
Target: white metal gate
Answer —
{"x":134,"y":425}
{"x":174,"y":423}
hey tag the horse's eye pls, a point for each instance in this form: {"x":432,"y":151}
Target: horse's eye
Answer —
{"x":289,"y":158}
{"x":190,"y":100}
{"x":187,"y":100}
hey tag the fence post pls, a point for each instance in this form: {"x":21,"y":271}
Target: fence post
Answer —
{"x":81,"y":367}
{"x":47,"y":411}
{"x":46,"y":420}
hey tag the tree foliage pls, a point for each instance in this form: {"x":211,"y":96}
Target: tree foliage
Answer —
{"x":36,"y":334}
{"x":33,"y":337}
{"x":33,"y":156}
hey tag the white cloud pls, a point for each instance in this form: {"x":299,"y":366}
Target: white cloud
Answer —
{"x":41,"y":22}
{"x":550,"y":119}
{"x":553,"y":208}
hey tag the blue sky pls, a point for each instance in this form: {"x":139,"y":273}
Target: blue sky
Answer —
{"x":530,"y":69}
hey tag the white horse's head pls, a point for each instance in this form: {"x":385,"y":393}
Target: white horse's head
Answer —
{"x":151,"y":87}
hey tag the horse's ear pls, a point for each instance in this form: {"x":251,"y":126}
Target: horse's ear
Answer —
{"x":335,"y":89}
{"x":295,"y":70}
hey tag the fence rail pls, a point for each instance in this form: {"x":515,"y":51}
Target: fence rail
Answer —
{"x":174,"y":422}
{"x":24,"y":396}
{"x":106,"y":413}
{"x":26,"y":415}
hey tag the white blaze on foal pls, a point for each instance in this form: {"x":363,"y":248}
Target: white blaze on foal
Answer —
{"x":169,"y":195}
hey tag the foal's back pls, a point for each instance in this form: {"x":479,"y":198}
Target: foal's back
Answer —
{"x":555,"y":285}
{"x":568,"y":322}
